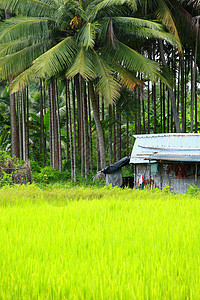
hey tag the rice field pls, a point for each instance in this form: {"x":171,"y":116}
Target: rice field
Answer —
{"x":89,"y":243}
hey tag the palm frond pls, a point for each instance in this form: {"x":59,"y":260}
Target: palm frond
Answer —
{"x":24,"y":79}
{"x":94,"y":8}
{"x":150,"y":33}
{"x":13,"y":64}
{"x":30,"y":7}
{"x":164,"y":14}
{"x":126,"y":78}
{"x":107,"y":85}
{"x":87,"y":34}
{"x":132,"y":22}
{"x":12,"y":47}
{"x":57,"y":59}
{"x":82,"y":65}
{"x":15,"y":28}
{"x":132,"y":60}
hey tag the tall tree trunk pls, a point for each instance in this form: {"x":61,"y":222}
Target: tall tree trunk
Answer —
{"x":54,"y":128}
{"x":58,"y":122}
{"x":19,"y":125}
{"x":143,"y":111}
{"x":74,"y":131}
{"x":148,"y":103}
{"x":171,"y":93}
{"x":114,"y":134}
{"x":118,"y":137}
{"x":23,"y":124}
{"x":182,"y":93}
{"x":127,"y":137}
{"x":90,"y":130}
{"x":168,"y":111}
{"x":67,"y":125}
{"x":98,"y":125}
{"x":139,"y":110}
{"x":86,"y":135}
{"x":13,"y":127}
{"x":70,"y":128}
{"x":45,"y":111}
{"x":27,"y":122}
{"x":82,"y":126}
{"x":196,"y":107}
{"x":42,"y":150}
{"x":164,"y":118}
{"x":78,"y":96}
{"x":50,"y":126}
{"x":161,"y":107}
{"x":110,"y":134}
{"x":154,"y":107}
{"x":192,"y":95}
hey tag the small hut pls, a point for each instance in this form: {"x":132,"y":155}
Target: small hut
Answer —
{"x":171,"y":159}
{"x":113,"y":172}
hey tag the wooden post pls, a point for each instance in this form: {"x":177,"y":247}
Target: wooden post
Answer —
{"x":149,"y":174}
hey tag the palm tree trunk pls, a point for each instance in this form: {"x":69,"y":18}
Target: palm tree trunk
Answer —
{"x":90,"y":130}
{"x":54,"y":128}
{"x":50,"y":126}
{"x":168,"y":111}
{"x":154,"y":106}
{"x":171,"y":93}
{"x":127,"y":137}
{"x":14,"y":136}
{"x":82,"y":126}
{"x":182,"y":94}
{"x":161,"y":108}
{"x":67,"y":125}
{"x":143,"y":111}
{"x":78,"y":96}
{"x":118,"y":137}
{"x":42,"y":153}
{"x":164,"y":118}
{"x":86,"y":135}
{"x":58,"y":122}
{"x":70,"y":129}
{"x":23,"y":124}
{"x":139,"y":110}
{"x":98,"y":125}
{"x":74,"y":131}
{"x":196,"y":108}
{"x":114,"y":135}
{"x":27,"y":122}
{"x":19,"y":125}
{"x":110,"y":134}
{"x":148,"y":103}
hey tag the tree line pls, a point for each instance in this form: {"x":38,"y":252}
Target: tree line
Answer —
{"x":79,"y":78}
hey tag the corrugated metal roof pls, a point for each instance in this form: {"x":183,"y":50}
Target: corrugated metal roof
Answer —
{"x":168,"y":146}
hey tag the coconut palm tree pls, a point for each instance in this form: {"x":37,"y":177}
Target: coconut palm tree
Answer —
{"x":91,"y":38}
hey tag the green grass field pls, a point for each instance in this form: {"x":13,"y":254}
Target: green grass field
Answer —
{"x":87,"y":243}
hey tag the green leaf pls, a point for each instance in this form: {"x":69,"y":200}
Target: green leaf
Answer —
{"x":57,"y":59}
{"x":30,"y":7}
{"x":132,"y":60}
{"x":15,"y":28}
{"x":87,"y":35}
{"x":82,"y":65}
{"x":107,"y":85}
{"x":13,"y":64}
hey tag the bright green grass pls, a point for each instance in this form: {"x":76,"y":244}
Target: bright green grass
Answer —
{"x":98,"y":244}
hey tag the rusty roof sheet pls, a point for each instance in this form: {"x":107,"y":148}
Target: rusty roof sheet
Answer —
{"x":168,"y":146}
